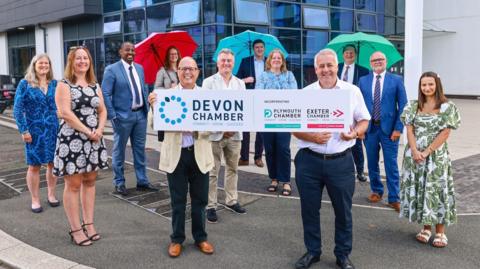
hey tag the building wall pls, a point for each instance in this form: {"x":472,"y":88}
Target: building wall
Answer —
{"x":3,"y":54}
{"x":453,"y":55}
{"x":55,"y":48}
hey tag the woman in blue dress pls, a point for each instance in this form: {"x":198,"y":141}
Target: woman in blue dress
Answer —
{"x":36,"y":116}
{"x":277,"y":144}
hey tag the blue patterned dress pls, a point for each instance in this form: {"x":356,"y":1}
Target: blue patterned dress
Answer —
{"x":36,"y":113}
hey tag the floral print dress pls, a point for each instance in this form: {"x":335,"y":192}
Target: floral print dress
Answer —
{"x":426,"y":189}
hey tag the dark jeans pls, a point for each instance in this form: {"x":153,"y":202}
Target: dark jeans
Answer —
{"x":358,"y":158}
{"x":312,"y":174}
{"x":245,"y":150}
{"x":187,"y":173}
{"x":277,"y":155}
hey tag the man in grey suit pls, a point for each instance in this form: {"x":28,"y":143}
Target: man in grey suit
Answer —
{"x":228,"y":143}
{"x":125,"y":97}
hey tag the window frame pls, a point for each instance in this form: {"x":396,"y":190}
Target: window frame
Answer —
{"x":238,"y":20}
{"x":172,"y":14}
{"x":304,"y":20}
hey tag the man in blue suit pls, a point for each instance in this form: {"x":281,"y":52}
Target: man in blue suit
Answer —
{"x":350,"y":72}
{"x":385,"y":97}
{"x":126,"y":101}
{"x":249,"y":71}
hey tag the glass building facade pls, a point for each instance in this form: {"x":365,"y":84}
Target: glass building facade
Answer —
{"x":302,"y":26}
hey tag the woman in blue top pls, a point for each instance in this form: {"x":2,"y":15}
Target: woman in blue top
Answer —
{"x":277,"y":145}
{"x":36,"y":116}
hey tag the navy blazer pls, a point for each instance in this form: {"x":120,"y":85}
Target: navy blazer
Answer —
{"x":117,"y":90}
{"x":359,"y":72}
{"x":394,"y":99}
{"x":247,"y":69}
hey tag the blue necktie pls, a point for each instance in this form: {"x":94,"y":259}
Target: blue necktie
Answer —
{"x":136,"y":96}
{"x":376,"y":100}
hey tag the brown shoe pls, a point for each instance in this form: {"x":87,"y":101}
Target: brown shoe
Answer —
{"x":174,"y":250}
{"x":243,"y":162}
{"x":395,"y":205}
{"x":259,"y":163}
{"x":205,"y":247}
{"x":374,"y":197}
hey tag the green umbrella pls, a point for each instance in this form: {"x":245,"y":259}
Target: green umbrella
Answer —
{"x":366,"y":45}
{"x":241,"y":45}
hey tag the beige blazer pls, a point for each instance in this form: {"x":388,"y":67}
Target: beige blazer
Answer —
{"x":165,"y":78}
{"x":172,"y":148}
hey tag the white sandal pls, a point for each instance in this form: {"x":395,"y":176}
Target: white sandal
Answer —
{"x":440,"y":240}
{"x":424,"y":236}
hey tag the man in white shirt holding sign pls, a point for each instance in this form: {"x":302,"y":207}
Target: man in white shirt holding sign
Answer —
{"x":228,"y":143}
{"x":325,"y":159}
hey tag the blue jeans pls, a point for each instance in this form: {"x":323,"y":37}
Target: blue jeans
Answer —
{"x":277,"y":155}
{"x":312,"y":174}
{"x":135,"y":128}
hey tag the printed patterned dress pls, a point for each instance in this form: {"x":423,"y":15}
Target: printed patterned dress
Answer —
{"x":35,"y":112}
{"x":426,"y":189}
{"x":75,"y":153}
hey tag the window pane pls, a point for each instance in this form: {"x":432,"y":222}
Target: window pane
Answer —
{"x":342,"y":3}
{"x":341,"y":20}
{"x":260,"y":29}
{"x":134,"y":21}
{"x":135,"y":38}
{"x":389,"y":25}
{"x":320,"y":2}
{"x":152,"y":2}
{"x":86,"y":29}
{"x":112,"y":45}
{"x":99,"y":60}
{"x":112,"y":24}
{"x":184,"y":13}
{"x":290,"y":41}
{"x":211,"y":37}
{"x":366,"y":22}
{"x":315,"y":18}
{"x":217,"y":11}
{"x":381,"y":6}
{"x":251,"y":11}
{"x":366,"y":5}
{"x":380,"y":23}
{"x":390,"y":7}
{"x":111,"y":5}
{"x":158,"y":18}
{"x":127,"y":4}
{"x":313,"y":42}
{"x":401,"y":8}
{"x":400,"y":26}
{"x":285,"y":14}
{"x":70,"y":31}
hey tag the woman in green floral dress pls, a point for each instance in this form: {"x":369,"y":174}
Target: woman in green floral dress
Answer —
{"x":426,"y":190}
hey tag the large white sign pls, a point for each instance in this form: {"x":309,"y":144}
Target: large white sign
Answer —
{"x":253,"y":110}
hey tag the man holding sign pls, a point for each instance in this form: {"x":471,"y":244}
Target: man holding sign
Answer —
{"x":228,"y":143}
{"x":325,"y":159}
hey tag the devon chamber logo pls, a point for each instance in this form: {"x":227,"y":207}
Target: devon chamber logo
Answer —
{"x":173,"y":110}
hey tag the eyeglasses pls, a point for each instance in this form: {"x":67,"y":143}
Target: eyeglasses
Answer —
{"x":377,"y":60}
{"x":185,"y":69}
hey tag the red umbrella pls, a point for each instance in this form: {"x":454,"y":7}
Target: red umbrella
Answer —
{"x":150,"y":53}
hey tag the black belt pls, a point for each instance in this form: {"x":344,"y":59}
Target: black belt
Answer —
{"x":137,"y":109}
{"x":376,"y":122}
{"x":328,"y":156}
{"x":189,"y":148}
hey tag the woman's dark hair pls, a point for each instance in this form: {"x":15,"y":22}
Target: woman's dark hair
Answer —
{"x":439,"y":96}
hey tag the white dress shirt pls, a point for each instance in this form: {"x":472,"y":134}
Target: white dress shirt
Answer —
{"x":259,"y":67}
{"x":382,"y":78}
{"x":360,"y":112}
{"x":137,"y":81}
{"x":187,"y":137}
{"x":351,"y":72}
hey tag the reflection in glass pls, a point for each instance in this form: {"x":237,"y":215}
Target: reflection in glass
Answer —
{"x":390,"y":7}
{"x":112,"y":45}
{"x":259,"y":29}
{"x":389,"y":25}
{"x":186,"y":13}
{"x":320,"y":2}
{"x":111,"y":24}
{"x":400,"y":26}
{"x":133,"y":3}
{"x":134,"y":21}
{"x":366,"y":5}
{"x":158,"y":18}
{"x":313,"y":42}
{"x":19,"y":60}
{"x":342,"y":3}
{"x":380,"y":23}
{"x":366,"y":22}
{"x":285,"y":14}
{"x":341,"y":20}
{"x":401,"y":8}
{"x":111,"y":5}
{"x":251,"y":11}
{"x":315,"y":17}
{"x":211,"y":37}
{"x":217,"y":11}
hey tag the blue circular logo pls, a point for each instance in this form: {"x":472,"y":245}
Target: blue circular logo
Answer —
{"x":173,"y":110}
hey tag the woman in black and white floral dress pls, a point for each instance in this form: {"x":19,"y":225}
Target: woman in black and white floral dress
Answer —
{"x":80,"y":150}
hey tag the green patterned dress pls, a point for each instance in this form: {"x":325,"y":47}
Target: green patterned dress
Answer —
{"x":427,"y":195}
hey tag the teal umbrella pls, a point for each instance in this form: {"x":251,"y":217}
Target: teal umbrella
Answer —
{"x":241,"y":45}
{"x":366,"y":44}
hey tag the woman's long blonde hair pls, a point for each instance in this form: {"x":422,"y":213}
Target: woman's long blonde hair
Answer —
{"x":70,"y":74}
{"x":31,"y":75}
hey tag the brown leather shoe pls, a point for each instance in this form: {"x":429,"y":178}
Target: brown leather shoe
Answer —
{"x":205,"y":247}
{"x":374,"y":197}
{"x":243,"y":162}
{"x":259,"y":163}
{"x":395,"y":205}
{"x":174,"y":250}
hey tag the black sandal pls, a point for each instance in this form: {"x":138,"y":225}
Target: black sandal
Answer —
{"x":94,"y":237}
{"x":273,"y":187}
{"x":286,"y":192}
{"x":83,"y":243}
